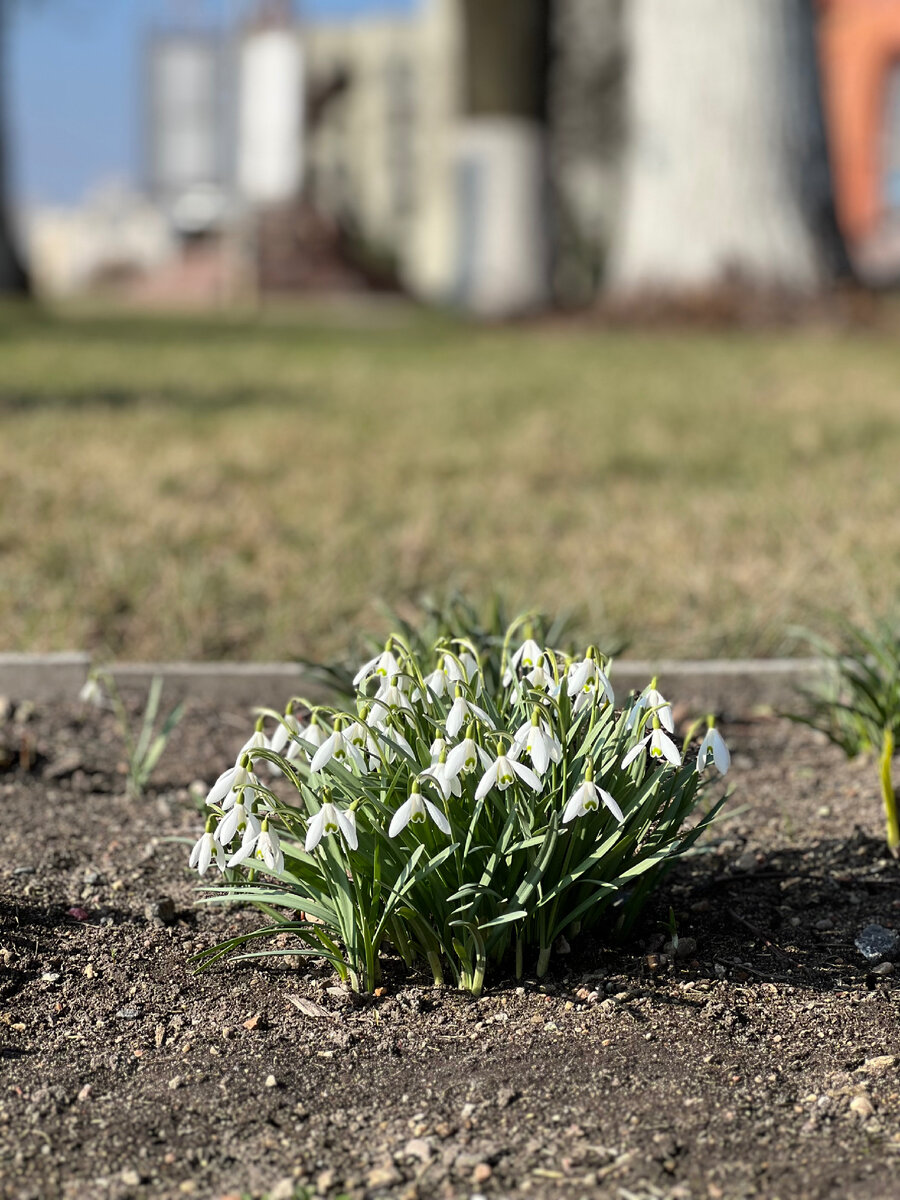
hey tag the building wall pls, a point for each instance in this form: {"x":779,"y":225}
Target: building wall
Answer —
{"x":379,"y":155}
{"x":860,"y":47}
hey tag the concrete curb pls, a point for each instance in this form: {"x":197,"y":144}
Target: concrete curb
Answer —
{"x":726,"y":686}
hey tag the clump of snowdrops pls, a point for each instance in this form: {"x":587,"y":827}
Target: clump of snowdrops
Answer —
{"x":458,"y":823}
{"x":858,"y":704}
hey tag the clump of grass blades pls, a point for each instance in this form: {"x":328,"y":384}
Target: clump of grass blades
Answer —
{"x":858,"y":705}
{"x":473,"y":805}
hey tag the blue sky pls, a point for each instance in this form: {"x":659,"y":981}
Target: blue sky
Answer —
{"x":74,"y":84}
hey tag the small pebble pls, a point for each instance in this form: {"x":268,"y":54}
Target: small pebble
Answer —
{"x":862,"y":1106}
{"x":874,"y":942}
{"x":271,"y":1081}
{"x":129,"y":1014}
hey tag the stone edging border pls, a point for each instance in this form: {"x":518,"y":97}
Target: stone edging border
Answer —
{"x":726,"y":686}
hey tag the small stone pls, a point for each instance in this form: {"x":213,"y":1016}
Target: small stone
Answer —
{"x":874,"y":942}
{"x":162,"y":910}
{"x":129,"y":1014}
{"x":879,"y":1064}
{"x":175,"y":1082}
{"x":23,"y":871}
{"x":418,"y":1148}
{"x":130,"y":1178}
{"x":285,"y":1189}
{"x":78,"y":913}
{"x":85,"y":1093}
{"x":883,"y":969}
{"x":325,"y":1181}
{"x":506,"y":1096}
{"x":862,"y":1106}
{"x":383,"y":1176}
{"x":271,"y":1081}
{"x":51,"y":977}
{"x":824,"y":924}
{"x":482,"y":1173}
{"x":686,"y":948}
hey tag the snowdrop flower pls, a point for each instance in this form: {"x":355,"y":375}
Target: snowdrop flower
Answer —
{"x":385,"y":665}
{"x":338,"y":747}
{"x":538,"y":741}
{"x":313,"y":734}
{"x":661,"y":746}
{"x":239,"y":778}
{"x":713,"y":744}
{"x":392,"y":740}
{"x":446,"y":779}
{"x":652,"y":700}
{"x":91,"y":692}
{"x":283,"y":740}
{"x":256,"y":741}
{"x":464,"y":710}
{"x":502,"y":774}
{"x":588,"y":798}
{"x":437,"y":748}
{"x":262,"y":845}
{"x":205,"y":850}
{"x":331,"y":819}
{"x":388,"y":698}
{"x":450,"y":671}
{"x":288,"y":728}
{"x":463,"y":759}
{"x":417,"y":810}
{"x":359,"y":736}
{"x":585,"y":679}
{"x":528,"y":656}
{"x":238,"y":815}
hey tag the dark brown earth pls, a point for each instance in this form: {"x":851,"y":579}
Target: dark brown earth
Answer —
{"x":764,"y":1062}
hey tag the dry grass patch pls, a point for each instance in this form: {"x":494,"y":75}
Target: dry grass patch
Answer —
{"x":206,"y":488}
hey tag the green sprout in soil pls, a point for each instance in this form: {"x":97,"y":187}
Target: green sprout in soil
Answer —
{"x":858,"y":705}
{"x":473,"y":804}
{"x":145,"y":746}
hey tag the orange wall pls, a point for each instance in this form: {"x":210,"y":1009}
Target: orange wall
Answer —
{"x":858,"y":42}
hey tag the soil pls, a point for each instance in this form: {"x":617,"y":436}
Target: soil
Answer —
{"x":761,"y":1057}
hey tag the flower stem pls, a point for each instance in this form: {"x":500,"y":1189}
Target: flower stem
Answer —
{"x":434,"y":961}
{"x":889,"y":795}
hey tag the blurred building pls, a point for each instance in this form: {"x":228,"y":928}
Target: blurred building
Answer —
{"x":860,"y":53}
{"x":114,"y":238}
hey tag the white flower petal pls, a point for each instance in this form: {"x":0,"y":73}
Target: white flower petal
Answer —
{"x":315,"y":830}
{"x":488,"y":779}
{"x":221,"y":787}
{"x":611,"y":804}
{"x":347,"y":825}
{"x":529,"y":777}
{"x":635,"y":751}
{"x":438,"y":817}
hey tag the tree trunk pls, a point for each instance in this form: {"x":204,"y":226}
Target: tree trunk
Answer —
{"x":585,"y":102}
{"x":13,"y":277}
{"x":725,"y":173}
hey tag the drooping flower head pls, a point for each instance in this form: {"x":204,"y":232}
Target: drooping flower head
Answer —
{"x":588,"y":797}
{"x":713,"y":744}
{"x":416,"y":810}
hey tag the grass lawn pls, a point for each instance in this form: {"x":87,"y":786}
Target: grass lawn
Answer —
{"x":250,"y":488}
